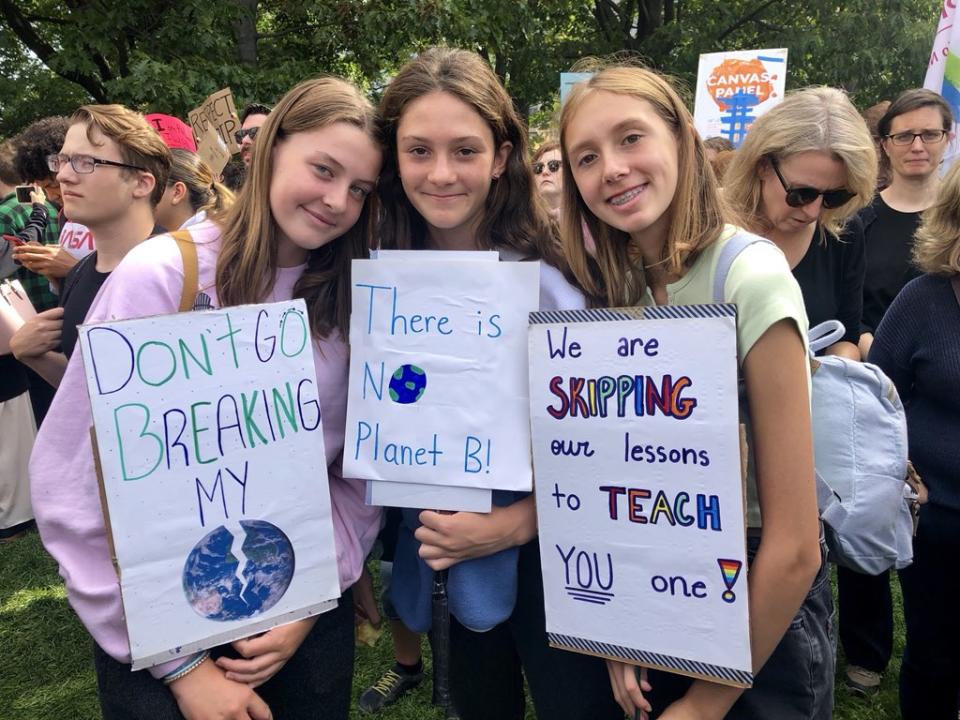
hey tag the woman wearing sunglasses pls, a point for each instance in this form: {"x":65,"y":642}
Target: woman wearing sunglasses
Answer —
{"x":549,"y":179}
{"x":803,"y":171}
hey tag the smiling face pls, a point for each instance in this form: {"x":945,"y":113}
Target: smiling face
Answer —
{"x":918,"y":159}
{"x":813,"y":169}
{"x":447,"y":161}
{"x":319,"y":183}
{"x":624,"y":161}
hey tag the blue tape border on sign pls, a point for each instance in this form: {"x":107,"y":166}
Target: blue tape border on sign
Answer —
{"x":688,"y":667}
{"x":646,"y":312}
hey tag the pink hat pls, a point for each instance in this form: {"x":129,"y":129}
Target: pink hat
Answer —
{"x":174,"y":131}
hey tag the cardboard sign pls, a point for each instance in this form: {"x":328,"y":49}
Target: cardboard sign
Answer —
{"x":212,"y":150}
{"x":640,"y":497}
{"x":943,"y":73}
{"x":219,"y":112}
{"x":735,"y":88}
{"x":214,"y":475}
{"x":15,"y":310}
{"x":438,"y":372}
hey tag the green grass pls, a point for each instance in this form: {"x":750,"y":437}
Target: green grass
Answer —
{"x":48,"y":674}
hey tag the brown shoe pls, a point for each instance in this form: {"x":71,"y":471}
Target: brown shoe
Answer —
{"x":863,"y":681}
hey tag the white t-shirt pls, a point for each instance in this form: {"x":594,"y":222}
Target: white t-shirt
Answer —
{"x":76,"y":239}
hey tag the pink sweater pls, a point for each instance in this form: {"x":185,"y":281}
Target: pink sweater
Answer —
{"x":64,"y":486}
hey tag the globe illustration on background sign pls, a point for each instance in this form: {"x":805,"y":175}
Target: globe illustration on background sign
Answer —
{"x":226,"y":578}
{"x":407,"y":384}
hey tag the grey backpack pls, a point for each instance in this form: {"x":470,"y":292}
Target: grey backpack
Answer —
{"x":860,"y":448}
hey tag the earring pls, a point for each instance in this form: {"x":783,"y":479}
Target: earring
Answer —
{"x":496,"y":177}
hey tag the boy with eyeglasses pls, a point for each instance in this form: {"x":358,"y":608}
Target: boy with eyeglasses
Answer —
{"x":913,"y":136}
{"x":112,"y":171}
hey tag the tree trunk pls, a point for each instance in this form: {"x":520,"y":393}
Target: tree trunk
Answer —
{"x":245,"y":31}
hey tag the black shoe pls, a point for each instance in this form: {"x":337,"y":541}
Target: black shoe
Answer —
{"x":391,"y":686}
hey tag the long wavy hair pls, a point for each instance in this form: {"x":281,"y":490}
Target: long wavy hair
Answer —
{"x":203,"y":190}
{"x":247,"y":265}
{"x":514,"y":215}
{"x":815,"y":119}
{"x":936,"y":249}
{"x":614,"y":275}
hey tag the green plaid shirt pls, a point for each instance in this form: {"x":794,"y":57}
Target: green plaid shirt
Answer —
{"x":13,"y":218}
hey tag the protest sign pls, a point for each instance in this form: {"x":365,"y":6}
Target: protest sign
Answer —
{"x":210,"y":445}
{"x":438,"y":373}
{"x":639,"y":488}
{"x":219,"y":112}
{"x":735,"y":88}
{"x":568,"y":80}
{"x":212,"y":150}
{"x":15,"y":310}
{"x":943,"y":73}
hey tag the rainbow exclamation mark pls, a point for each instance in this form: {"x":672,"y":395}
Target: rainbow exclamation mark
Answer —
{"x":730,"y":569}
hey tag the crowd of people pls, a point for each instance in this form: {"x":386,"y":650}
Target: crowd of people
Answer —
{"x":626,"y":206}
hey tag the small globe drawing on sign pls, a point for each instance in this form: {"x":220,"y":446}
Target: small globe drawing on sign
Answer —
{"x":229,"y":578}
{"x":407,"y":384}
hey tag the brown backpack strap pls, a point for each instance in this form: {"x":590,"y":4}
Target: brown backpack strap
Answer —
{"x":188,"y":251}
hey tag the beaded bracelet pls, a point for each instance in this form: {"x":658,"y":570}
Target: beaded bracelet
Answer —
{"x":186,"y":669}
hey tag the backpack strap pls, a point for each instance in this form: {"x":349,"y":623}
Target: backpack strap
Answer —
{"x":824,"y":335}
{"x":188,"y":251}
{"x":728,"y":253}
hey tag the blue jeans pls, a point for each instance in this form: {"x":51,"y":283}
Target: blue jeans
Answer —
{"x":796,"y":683}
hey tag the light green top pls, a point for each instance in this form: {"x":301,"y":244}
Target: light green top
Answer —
{"x":764,"y":290}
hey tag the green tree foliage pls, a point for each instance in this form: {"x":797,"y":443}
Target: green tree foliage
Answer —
{"x":167,"y":55}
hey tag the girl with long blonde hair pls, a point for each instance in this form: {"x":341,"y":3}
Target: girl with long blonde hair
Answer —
{"x":636,"y":171}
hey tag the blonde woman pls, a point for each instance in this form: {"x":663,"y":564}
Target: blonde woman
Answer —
{"x":191,"y":192}
{"x":804,"y":170}
{"x":918,"y":345}
{"x":637,"y":172}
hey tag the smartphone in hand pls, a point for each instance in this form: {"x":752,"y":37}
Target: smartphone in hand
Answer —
{"x":23,"y":193}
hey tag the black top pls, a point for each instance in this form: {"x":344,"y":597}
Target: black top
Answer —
{"x":918,"y":346}
{"x":889,"y":238}
{"x":13,"y":378}
{"x":80,"y":287}
{"x":830,"y":276}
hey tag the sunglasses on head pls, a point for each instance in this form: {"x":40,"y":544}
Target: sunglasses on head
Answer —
{"x":249,"y":132}
{"x":801,"y":196}
{"x":553,"y":165}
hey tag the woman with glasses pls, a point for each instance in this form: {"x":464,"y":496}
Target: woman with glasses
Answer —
{"x":549,"y":179}
{"x":913,"y":137}
{"x":804,"y":169}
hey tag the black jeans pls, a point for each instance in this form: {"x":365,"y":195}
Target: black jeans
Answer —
{"x":487,"y":669}
{"x":796,"y":683}
{"x":866,"y":618}
{"x":930,"y":674}
{"x":314,"y":685}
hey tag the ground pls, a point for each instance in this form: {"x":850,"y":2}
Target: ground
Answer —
{"x":48,"y":674}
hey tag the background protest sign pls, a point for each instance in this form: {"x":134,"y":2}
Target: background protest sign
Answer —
{"x":735,"y":88}
{"x":639,"y":488}
{"x":943,"y":73}
{"x":214,"y":475}
{"x":15,"y":310}
{"x":438,"y":372}
{"x":220,"y":112}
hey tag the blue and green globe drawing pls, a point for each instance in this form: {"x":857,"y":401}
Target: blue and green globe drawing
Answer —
{"x":407,"y":384}
{"x":231,"y":578}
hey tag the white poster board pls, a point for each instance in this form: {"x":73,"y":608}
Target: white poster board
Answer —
{"x":640,"y":497}
{"x":214,"y":475}
{"x":735,"y":88}
{"x":438,"y":374}
{"x":943,"y":73}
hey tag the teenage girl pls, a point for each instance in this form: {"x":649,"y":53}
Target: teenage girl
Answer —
{"x":456,"y":177}
{"x":191,"y":192}
{"x":636,"y":170}
{"x":303,"y":215}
